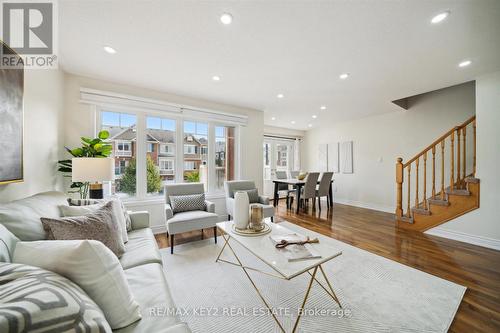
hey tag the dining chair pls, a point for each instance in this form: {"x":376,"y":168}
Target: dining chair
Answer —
{"x":324,"y":188}
{"x":282,"y":175}
{"x":308,"y":191}
{"x":294,"y":174}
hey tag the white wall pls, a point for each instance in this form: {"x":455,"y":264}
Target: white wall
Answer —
{"x":43,"y":128}
{"x":80,"y":122}
{"x":379,"y":140}
{"x":482,"y":226}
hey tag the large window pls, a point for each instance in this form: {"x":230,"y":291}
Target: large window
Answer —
{"x":122,"y":135}
{"x":195,"y":143}
{"x":224,"y":155}
{"x":152,"y":150}
{"x":160,"y":134}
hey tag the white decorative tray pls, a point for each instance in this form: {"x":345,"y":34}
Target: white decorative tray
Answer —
{"x":252,"y":233}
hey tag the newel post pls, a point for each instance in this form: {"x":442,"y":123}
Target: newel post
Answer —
{"x":399,"y":187}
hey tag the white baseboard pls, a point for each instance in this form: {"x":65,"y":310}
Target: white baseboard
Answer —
{"x":369,"y":205}
{"x":466,"y":238}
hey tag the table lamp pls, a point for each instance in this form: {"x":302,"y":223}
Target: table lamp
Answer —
{"x":93,"y":170}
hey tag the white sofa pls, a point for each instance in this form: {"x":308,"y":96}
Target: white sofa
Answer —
{"x":141,"y":262}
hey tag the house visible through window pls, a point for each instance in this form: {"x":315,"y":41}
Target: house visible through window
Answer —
{"x":195,"y":161}
{"x":224,"y":155}
{"x":122,"y":135}
{"x":162,"y":132}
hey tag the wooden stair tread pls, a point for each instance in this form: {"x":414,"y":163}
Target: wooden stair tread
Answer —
{"x":438,"y":202}
{"x":421,"y":211}
{"x":456,"y":191}
{"x":471,"y":180}
{"x":405,"y":219}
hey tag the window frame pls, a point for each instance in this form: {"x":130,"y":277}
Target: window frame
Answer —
{"x":178,"y":165}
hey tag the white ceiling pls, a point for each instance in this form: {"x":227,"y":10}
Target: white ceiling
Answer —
{"x":298,"y":48}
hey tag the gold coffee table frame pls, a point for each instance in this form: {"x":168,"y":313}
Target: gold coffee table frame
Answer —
{"x":245,"y":269}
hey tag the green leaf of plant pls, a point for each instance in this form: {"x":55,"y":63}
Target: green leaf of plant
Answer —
{"x":86,"y":140}
{"x":77,"y":152}
{"x":103,"y":135}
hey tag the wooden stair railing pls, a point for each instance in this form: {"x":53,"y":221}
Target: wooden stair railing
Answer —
{"x":458,"y":178}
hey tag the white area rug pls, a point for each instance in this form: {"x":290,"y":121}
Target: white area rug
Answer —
{"x":379,"y":295}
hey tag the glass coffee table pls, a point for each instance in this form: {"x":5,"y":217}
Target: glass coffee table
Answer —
{"x":262,"y":248}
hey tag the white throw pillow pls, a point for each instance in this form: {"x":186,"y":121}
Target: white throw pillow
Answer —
{"x":92,"y":266}
{"x":68,"y":211}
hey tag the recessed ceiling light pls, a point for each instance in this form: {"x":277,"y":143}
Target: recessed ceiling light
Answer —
{"x":280,"y":95}
{"x":315,"y":116}
{"x":344,"y":76}
{"x":273,"y":118}
{"x":109,"y":49}
{"x":293,"y":121}
{"x":465,"y":63}
{"x":310,"y":125}
{"x":216,"y":78}
{"x":226,"y":18}
{"x":323,"y":107}
{"x":440,"y":17}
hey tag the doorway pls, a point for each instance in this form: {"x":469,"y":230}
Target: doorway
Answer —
{"x":278,"y":156}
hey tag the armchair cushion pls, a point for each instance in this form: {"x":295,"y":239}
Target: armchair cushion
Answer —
{"x":192,"y":220}
{"x":186,"y":203}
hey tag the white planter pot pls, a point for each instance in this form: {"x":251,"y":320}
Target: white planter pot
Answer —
{"x":241,"y":210}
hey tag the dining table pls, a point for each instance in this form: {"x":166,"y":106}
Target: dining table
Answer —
{"x":298,"y":184}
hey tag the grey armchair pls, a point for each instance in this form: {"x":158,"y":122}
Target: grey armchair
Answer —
{"x":233,"y":186}
{"x":191,"y":220}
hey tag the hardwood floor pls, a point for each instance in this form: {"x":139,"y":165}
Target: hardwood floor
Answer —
{"x":475,"y":267}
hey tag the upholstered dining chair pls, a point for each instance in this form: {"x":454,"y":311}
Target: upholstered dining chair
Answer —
{"x":294,"y":174}
{"x":184,"y":211}
{"x":324,"y":188}
{"x":233,"y":186}
{"x":309,"y":189}
{"x":282,"y":175}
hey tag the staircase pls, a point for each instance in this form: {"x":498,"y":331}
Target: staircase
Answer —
{"x":438,"y":184}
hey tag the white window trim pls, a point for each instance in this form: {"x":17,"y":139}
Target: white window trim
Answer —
{"x":141,"y":114}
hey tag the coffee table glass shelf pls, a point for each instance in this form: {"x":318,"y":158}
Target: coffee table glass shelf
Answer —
{"x":281,"y":268}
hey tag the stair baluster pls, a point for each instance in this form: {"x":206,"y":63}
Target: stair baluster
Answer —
{"x":425,"y":180}
{"x":416,"y":183}
{"x":433,"y":172}
{"x":452,"y":159}
{"x":464,"y":133}
{"x":459,"y":170}
{"x":474,"y":145}
{"x":408,"y":209}
{"x":442,"y":170}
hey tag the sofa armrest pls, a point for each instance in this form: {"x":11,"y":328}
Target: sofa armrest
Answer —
{"x":139,"y":219}
{"x":169,"y":213}
{"x":210,"y":206}
{"x":263,"y":199}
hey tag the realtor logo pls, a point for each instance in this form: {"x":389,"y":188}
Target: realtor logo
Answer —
{"x":29,"y":29}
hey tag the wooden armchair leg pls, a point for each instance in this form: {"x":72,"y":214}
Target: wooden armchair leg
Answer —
{"x":215,"y":234}
{"x":202,"y":234}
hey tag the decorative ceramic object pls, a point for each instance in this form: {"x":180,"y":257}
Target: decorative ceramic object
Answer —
{"x":302,"y":176}
{"x":256,"y":217}
{"x":241,"y":209}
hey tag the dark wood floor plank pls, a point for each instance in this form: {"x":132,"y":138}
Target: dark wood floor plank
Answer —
{"x":472,"y":266}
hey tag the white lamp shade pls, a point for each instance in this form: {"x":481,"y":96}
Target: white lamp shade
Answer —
{"x":92,"y":170}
